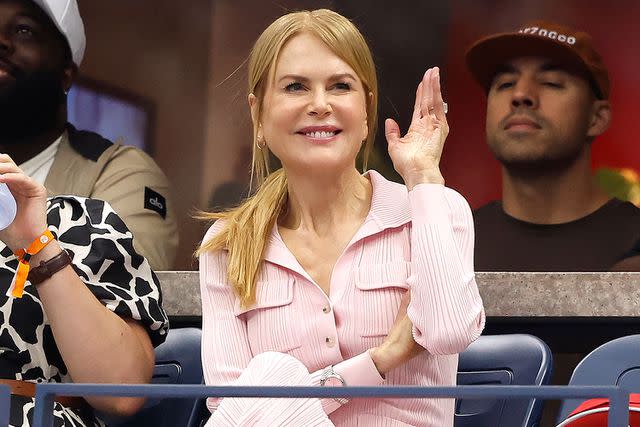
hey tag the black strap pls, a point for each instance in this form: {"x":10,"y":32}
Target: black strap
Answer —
{"x":48,"y":268}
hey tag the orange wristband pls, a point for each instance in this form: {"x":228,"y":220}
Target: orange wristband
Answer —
{"x":24,"y":256}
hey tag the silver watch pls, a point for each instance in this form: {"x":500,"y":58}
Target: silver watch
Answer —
{"x":330,"y":378}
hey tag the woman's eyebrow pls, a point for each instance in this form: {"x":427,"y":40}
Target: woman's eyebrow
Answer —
{"x":342,"y":76}
{"x":334,"y":77}
{"x":295,"y":77}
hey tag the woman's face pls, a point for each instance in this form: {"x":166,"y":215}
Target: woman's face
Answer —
{"x":314,"y":115}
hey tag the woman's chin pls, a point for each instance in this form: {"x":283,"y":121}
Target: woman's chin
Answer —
{"x":321,"y":165}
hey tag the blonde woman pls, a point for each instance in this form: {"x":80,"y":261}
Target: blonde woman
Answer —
{"x":327,"y":276}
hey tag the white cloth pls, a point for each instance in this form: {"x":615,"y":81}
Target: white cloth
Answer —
{"x":38,"y":167}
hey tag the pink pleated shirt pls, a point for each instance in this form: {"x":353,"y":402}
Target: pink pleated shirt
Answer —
{"x":421,"y":241}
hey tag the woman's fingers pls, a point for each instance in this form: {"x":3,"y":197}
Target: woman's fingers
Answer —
{"x":391,"y":131}
{"x":438,"y":102}
{"x":402,"y":310}
{"x":406,"y":299}
{"x":428,"y":109}
{"x":431,"y":102}
{"x":426,"y":103}
{"x":417,"y":105}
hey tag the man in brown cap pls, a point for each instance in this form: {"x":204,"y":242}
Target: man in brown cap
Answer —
{"x":547,"y":101}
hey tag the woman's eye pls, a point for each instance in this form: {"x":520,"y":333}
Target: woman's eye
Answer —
{"x":343,"y":86}
{"x":553,"y":84}
{"x":292,"y":87}
{"x":504,"y":85}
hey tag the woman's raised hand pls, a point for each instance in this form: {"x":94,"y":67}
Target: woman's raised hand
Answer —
{"x":416,"y":155}
{"x":31,"y":200}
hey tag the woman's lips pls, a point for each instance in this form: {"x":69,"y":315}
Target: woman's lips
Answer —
{"x":320,"y":133}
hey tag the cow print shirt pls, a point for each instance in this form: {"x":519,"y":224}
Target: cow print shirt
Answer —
{"x":101,"y":247}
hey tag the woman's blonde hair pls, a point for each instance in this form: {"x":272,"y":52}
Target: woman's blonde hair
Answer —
{"x":246,"y":229}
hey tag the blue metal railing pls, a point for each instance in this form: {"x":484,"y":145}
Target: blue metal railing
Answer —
{"x":5,"y":402}
{"x":45,"y":393}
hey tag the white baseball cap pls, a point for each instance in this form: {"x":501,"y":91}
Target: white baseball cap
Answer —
{"x":66,"y":16}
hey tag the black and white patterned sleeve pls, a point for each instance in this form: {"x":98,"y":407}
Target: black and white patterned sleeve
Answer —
{"x":101,"y":247}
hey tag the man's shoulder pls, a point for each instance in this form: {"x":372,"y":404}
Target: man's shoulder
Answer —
{"x":616,"y":214}
{"x":491,"y":223}
{"x":89,"y":145}
{"x":622,"y":207}
{"x":94,"y":147}
{"x":489,"y":211}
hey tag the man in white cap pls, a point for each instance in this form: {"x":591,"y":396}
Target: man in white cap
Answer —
{"x":78,"y":303}
{"x":42,"y":44}
{"x":547,"y":101}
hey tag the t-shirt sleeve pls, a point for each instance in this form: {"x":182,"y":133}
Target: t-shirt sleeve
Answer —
{"x":104,"y":258}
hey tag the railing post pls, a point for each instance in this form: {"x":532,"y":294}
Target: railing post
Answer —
{"x":5,"y":405}
{"x":43,"y":410}
{"x":619,"y":408}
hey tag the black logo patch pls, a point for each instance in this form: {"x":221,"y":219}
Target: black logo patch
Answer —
{"x":155,"y":201}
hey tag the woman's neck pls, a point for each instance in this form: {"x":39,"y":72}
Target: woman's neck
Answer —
{"x":319,"y":202}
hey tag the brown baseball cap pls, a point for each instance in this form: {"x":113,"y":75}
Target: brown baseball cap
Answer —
{"x":545,"y":39}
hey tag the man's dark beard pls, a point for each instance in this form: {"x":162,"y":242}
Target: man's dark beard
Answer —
{"x":552,"y":162}
{"x":545,"y":166}
{"x":30,"y":106}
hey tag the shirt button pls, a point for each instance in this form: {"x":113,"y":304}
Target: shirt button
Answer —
{"x":330,"y":341}
{"x":326,"y":309}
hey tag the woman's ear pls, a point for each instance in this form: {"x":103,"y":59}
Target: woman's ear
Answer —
{"x":600,"y":118}
{"x":365,"y":128}
{"x":253,"y":105}
{"x":370,"y":102}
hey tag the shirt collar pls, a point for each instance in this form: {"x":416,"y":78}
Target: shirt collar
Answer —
{"x":390,"y":206}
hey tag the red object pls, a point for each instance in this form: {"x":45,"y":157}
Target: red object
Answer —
{"x":599,"y":419}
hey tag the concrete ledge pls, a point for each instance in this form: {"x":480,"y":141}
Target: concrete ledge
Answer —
{"x":180,"y":292}
{"x":504,"y":294}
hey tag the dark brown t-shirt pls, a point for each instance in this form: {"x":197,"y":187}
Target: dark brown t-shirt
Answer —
{"x":592,"y":243}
